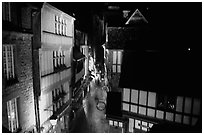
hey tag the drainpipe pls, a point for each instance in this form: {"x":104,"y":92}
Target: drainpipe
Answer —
{"x":36,"y":44}
{"x":36,"y":87}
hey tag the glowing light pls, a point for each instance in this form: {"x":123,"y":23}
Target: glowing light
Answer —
{"x":12,"y":115}
{"x":53,"y":122}
{"x":125,"y":13}
{"x":189,"y":49}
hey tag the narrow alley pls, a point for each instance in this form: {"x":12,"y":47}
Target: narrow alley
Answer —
{"x":101,"y":67}
{"x":88,"y":118}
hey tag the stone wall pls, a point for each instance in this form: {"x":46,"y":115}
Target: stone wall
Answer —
{"x":23,"y":88}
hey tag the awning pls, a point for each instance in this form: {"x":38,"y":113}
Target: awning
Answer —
{"x":77,"y":55}
{"x":62,"y":111}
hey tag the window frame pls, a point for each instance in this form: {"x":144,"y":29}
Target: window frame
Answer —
{"x":14,"y":108}
{"x":13,"y":79}
{"x":115,"y":63}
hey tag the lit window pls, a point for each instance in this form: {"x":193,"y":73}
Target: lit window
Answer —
{"x":114,"y":57}
{"x":131,"y":125}
{"x":120,"y":124}
{"x":137,"y":124}
{"x":119,"y":57}
{"x":12,"y":115}
{"x":119,"y":68}
{"x":133,"y":108}
{"x":169,"y":116}
{"x":150,"y":125}
{"x":143,"y":97}
{"x":125,"y":107}
{"x":8,"y":62}
{"x":111,"y":122}
{"x":152,"y":99}
{"x":126,"y":95}
{"x":134,"y":96}
{"x":144,"y":126}
{"x":115,"y":123}
{"x":116,"y":67}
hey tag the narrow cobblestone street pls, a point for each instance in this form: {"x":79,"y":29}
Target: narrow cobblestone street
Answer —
{"x":88,"y":118}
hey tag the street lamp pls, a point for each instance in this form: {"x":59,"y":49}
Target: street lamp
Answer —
{"x":53,"y":122}
{"x":53,"y":118}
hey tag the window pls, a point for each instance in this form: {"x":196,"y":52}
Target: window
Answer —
{"x":58,"y":97}
{"x":8,"y":62}
{"x":131,"y":125}
{"x":117,"y":58}
{"x":6,"y":11}
{"x":56,"y":24}
{"x":12,"y":115}
{"x":60,"y":26}
{"x":139,"y":125}
{"x":58,"y":59}
{"x":126,"y":94}
{"x":64,"y":27}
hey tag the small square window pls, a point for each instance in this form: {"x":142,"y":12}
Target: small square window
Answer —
{"x":150,"y":112}
{"x":160,"y":114}
{"x":111,"y":122}
{"x":142,"y":110}
{"x":169,"y":116}
{"x":137,"y":124}
{"x":115,"y":123}
{"x":120,"y":124}
{"x":178,"y":118}
{"x":125,"y":107}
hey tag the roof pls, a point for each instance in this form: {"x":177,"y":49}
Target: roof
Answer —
{"x":136,"y":17}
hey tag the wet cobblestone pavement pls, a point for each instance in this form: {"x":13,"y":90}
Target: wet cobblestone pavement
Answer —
{"x":88,"y":118}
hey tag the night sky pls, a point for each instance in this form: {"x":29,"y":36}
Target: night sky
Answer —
{"x":175,"y":65}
